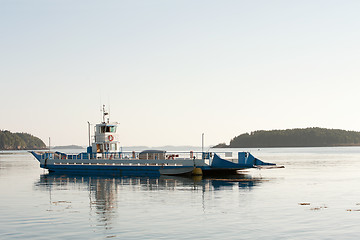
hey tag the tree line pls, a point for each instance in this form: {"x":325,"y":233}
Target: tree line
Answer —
{"x":19,"y":141}
{"x":299,"y":137}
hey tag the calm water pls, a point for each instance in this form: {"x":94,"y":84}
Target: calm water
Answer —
{"x":316,"y":196}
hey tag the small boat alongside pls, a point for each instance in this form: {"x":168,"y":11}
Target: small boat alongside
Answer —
{"x":105,"y":156}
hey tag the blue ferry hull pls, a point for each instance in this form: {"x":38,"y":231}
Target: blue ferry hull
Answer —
{"x":142,"y":167}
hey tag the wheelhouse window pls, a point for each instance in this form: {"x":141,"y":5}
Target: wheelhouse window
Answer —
{"x":110,"y":129}
{"x":107,"y":129}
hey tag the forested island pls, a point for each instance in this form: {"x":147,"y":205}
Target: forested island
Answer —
{"x":19,"y":141}
{"x":299,"y":137}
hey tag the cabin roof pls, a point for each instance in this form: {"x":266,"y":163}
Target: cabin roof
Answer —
{"x":153,"y":151}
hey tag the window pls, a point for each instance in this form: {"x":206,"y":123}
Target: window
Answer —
{"x":99,"y":148}
{"x":110,"y":129}
{"x":107,"y":129}
{"x":113,"y":146}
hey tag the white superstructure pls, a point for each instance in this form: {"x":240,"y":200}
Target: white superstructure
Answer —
{"x":106,"y":139}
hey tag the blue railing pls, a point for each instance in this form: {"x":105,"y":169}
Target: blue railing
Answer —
{"x":128,"y":155}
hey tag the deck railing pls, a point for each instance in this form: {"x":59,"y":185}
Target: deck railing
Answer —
{"x":133,"y":155}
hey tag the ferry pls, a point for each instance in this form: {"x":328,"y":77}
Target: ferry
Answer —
{"x":104,"y":156}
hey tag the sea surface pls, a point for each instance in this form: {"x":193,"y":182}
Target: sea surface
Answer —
{"x":316,"y":196}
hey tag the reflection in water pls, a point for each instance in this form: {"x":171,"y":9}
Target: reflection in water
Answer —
{"x":103,"y":192}
{"x":105,"y":188}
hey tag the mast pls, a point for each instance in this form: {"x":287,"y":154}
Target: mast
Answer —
{"x":202,"y":145}
{"x":105,"y":114}
{"x":89,"y":132}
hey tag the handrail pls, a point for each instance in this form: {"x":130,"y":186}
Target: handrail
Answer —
{"x":129,"y":155}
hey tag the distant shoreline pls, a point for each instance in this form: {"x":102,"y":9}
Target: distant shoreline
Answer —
{"x":68,"y":147}
{"x":294,"y":138}
{"x":15,"y":151}
{"x":289,"y":147}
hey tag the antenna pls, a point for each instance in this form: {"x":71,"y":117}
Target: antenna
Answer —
{"x":202,"y":144}
{"x":109,"y":105}
{"x":109,"y":113}
{"x":101,"y":110}
{"x":89,"y":132}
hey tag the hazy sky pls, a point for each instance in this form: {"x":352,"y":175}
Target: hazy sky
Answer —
{"x":172,"y":70}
